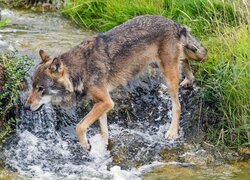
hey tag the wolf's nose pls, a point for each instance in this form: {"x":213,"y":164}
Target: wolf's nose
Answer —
{"x":205,"y":55}
{"x":27,"y":107}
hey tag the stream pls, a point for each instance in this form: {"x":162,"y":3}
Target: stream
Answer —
{"x":45,"y":145}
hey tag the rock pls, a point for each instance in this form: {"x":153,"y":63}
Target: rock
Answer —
{"x":146,"y":99}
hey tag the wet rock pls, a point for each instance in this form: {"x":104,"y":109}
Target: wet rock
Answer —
{"x":173,"y":154}
{"x":195,"y":154}
{"x":146,"y":100}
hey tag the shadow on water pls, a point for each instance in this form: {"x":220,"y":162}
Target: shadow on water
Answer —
{"x":45,"y":145}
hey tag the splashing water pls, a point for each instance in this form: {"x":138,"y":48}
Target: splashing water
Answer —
{"x":46,"y":146}
{"x":44,"y":149}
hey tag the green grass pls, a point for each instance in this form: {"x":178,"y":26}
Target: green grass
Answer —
{"x":225,"y":79}
{"x":103,"y":15}
{"x":223,"y":26}
{"x":203,"y":16}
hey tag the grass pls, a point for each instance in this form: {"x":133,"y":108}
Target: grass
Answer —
{"x":202,"y":16}
{"x":222,"y":25}
{"x":225,"y":80}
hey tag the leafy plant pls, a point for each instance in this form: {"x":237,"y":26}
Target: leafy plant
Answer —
{"x":14,"y":69}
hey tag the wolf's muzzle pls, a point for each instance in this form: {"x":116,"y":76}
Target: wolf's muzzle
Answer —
{"x":28,"y":108}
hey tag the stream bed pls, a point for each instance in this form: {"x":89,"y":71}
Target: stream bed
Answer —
{"x":45,"y":144}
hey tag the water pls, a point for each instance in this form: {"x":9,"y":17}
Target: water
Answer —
{"x":45,"y":144}
{"x":230,"y":172}
{"x":46,"y":147}
{"x":35,"y":31}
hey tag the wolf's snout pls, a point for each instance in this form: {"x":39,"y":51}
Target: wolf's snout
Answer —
{"x":27,"y":107}
{"x":203,"y":51}
{"x":203,"y":54}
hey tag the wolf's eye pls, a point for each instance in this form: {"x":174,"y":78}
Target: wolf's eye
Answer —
{"x":40,"y":89}
{"x":192,"y":48}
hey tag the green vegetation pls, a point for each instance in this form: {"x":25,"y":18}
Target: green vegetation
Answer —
{"x":44,"y":5}
{"x":12,"y":72}
{"x":13,"y":3}
{"x":225,"y":80}
{"x":223,"y":26}
{"x":202,"y":16}
{"x":3,"y":23}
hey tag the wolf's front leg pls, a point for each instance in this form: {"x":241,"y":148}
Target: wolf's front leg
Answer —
{"x":81,"y":133}
{"x":103,"y":104}
{"x":104,"y":128}
{"x":170,"y":69}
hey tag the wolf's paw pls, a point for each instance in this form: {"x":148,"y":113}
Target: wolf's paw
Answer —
{"x":187,"y":83}
{"x":89,"y":146}
{"x":86,"y":146}
{"x":171,"y":134}
{"x":105,"y":138}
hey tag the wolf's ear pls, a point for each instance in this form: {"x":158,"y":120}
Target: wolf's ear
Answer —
{"x":44,"y":56}
{"x":56,"y":65}
{"x":183,"y":32}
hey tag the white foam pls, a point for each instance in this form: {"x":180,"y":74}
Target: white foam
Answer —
{"x":119,"y":174}
{"x":99,"y":153}
{"x":3,"y":43}
{"x":7,"y":13}
{"x":28,"y":138}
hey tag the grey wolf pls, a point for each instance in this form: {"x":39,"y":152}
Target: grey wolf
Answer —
{"x":104,"y":61}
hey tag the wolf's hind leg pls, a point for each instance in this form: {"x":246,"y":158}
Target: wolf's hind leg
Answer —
{"x":103,"y":103}
{"x":189,"y":77}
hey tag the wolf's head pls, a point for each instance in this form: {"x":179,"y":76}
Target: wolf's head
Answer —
{"x":50,"y":83}
{"x":193,"y":49}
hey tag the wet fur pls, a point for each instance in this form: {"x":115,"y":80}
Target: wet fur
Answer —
{"x":107,"y":60}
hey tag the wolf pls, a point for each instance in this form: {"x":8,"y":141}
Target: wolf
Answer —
{"x":106,"y":60}
{"x":188,"y":74}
